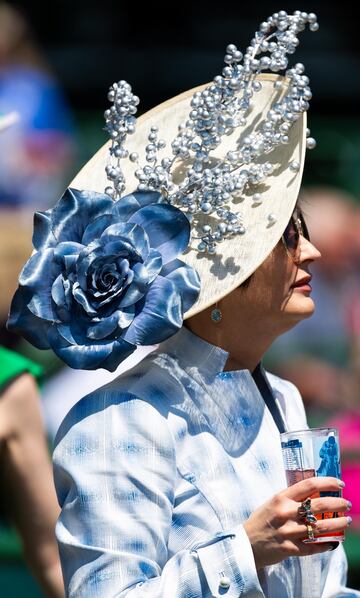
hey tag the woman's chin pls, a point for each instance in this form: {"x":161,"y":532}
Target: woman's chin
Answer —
{"x":300,"y":306}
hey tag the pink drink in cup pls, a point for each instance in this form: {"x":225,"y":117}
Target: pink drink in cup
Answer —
{"x":313,"y":453}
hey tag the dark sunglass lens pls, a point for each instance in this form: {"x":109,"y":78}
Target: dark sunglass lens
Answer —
{"x":291,"y":237}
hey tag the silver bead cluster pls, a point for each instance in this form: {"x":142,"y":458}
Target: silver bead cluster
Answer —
{"x":120,"y":122}
{"x":217,"y":111}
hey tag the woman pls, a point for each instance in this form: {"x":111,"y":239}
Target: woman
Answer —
{"x":170,"y":477}
{"x":190,"y":455}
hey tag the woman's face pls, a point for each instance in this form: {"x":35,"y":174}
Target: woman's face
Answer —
{"x":279,"y":292}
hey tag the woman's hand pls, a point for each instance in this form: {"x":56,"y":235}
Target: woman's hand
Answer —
{"x":276,"y":531}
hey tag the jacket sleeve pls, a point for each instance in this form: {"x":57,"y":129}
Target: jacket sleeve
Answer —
{"x":115,"y":474}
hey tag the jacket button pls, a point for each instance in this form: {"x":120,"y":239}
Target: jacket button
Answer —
{"x":224,"y":582}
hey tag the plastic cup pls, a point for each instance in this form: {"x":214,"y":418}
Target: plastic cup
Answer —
{"x":314,"y":453}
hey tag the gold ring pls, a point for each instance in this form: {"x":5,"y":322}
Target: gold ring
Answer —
{"x":310,"y":532}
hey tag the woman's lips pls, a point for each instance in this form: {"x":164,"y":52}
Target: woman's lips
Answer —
{"x":303,"y":284}
{"x":304,"y":288}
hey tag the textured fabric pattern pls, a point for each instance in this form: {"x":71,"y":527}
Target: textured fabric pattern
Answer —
{"x":156,"y":473}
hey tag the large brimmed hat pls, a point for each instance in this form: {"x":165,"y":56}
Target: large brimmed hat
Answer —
{"x":121,"y":265}
{"x":264,"y":219}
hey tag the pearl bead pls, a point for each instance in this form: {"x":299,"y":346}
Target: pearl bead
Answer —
{"x":314,"y":26}
{"x":206,"y":207}
{"x":109,"y":191}
{"x":294,"y":166}
{"x":272,"y":218}
{"x":310,"y":143}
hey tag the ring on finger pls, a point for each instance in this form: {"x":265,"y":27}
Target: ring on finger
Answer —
{"x":310,"y":532}
{"x":305,"y":512}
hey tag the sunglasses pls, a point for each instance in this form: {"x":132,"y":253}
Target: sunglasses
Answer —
{"x":291,"y":236}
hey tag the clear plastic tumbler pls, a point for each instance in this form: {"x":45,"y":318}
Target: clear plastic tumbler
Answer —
{"x":312,"y":453}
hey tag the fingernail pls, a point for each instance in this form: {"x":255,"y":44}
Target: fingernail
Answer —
{"x":341,"y":484}
{"x":349,"y":519}
{"x":349,"y":505}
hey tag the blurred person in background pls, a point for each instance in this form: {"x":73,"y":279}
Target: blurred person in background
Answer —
{"x":35,"y":153}
{"x":322,"y":357}
{"x":325,"y":345}
{"x":27,"y":495}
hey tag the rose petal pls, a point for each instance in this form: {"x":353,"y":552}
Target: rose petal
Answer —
{"x":62,"y":288}
{"x":95,"y":229}
{"x":89,"y":355}
{"x":70,"y":263}
{"x":138,"y":286}
{"x":153,"y":264}
{"x":23,"y":322}
{"x":146,"y":198}
{"x":167,"y":227}
{"x":131,"y":233}
{"x":43,"y":235}
{"x":80,"y":296}
{"x":38,"y":276}
{"x":68,"y":219}
{"x":117,"y":321}
{"x":160,"y":316}
{"x":186,"y":280}
{"x":66,"y":250}
{"x":125,"y":206}
{"x":61,"y":299}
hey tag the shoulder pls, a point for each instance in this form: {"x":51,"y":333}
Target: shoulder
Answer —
{"x":138,"y":400}
{"x":290,"y":399}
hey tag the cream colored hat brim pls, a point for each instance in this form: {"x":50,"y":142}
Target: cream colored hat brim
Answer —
{"x":239,"y":256}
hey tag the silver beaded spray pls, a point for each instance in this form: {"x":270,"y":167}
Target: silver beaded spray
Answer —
{"x":217,"y":111}
{"x":120,"y":122}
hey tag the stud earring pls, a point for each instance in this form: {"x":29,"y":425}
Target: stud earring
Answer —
{"x":216,"y":315}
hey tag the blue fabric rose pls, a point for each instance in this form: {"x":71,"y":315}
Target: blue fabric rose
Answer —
{"x":105,"y":277}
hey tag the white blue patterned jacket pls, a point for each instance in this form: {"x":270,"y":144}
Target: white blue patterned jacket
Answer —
{"x":157,"y":470}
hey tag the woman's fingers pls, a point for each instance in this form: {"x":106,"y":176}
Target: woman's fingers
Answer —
{"x":296,"y":531}
{"x":329,"y":504}
{"x":309,"y":549}
{"x":299,"y":548}
{"x":325,"y":526}
{"x":302,"y":490}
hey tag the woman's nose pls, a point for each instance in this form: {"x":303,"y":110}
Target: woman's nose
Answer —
{"x":308,"y":251}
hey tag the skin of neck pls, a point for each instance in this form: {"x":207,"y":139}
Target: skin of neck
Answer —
{"x":246,"y":338}
{"x":257,"y":312}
